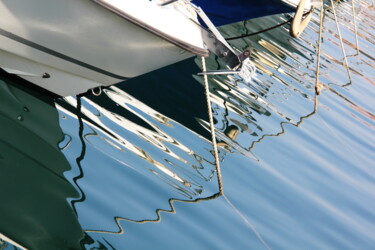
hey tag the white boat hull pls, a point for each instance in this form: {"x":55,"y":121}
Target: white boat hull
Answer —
{"x":78,"y":44}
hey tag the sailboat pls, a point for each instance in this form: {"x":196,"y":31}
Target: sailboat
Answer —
{"x":69,"y":47}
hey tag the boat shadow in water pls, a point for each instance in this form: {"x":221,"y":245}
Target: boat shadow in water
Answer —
{"x":42,"y":202}
{"x":34,"y":211}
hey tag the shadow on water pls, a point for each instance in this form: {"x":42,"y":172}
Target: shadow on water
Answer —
{"x":34,"y":211}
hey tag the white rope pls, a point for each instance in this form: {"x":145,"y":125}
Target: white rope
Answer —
{"x":212,"y":127}
{"x":342,"y":44}
{"x":252,"y":70}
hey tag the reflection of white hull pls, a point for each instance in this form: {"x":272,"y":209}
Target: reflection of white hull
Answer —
{"x":70,"y":46}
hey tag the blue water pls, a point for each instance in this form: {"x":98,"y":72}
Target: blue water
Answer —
{"x":134,"y":168}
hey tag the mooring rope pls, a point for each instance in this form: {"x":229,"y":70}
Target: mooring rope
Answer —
{"x":217,"y":161}
{"x":330,"y":6}
{"x":212,"y":127}
{"x":247,"y":222}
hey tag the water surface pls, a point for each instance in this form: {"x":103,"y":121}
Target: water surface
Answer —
{"x":134,"y":167}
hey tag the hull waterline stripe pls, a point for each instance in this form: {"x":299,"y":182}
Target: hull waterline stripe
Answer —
{"x":58,"y":54}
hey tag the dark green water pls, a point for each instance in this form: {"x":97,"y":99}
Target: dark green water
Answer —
{"x":134,"y":169}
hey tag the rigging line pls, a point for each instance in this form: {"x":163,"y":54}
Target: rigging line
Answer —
{"x":283,"y":125}
{"x":318,"y":86}
{"x":260,"y":238}
{"x":330,"y":6}
{"x":212,"y":127}
{"x":341,"y":42}
{"x":355,"y":27}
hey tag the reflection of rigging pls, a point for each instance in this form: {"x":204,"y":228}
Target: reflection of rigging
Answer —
{"x":231,"y":131}
{"x":158,"y":212}
{"x":232,"y":93}
{"x":80,"y":157}
{"x":155,"y":136}
{"x":101,"y":128}
{"x":282,"y":124}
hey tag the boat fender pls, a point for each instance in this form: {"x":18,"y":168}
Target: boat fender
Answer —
{"x":298,"y":24}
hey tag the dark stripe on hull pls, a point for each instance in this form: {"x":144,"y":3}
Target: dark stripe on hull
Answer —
{"x":58,"y":54}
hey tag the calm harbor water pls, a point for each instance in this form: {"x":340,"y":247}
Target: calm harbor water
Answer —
{"x":134,"y":168}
